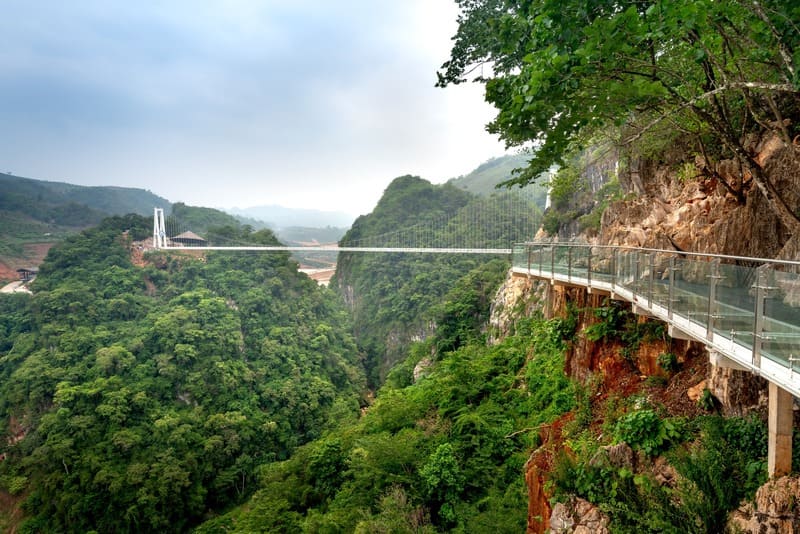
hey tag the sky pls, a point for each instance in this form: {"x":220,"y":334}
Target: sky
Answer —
{"x":237,"y":103}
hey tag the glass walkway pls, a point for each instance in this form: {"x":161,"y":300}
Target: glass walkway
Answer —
{"x":746,"y":309}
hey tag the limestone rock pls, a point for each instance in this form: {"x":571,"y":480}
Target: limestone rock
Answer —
{"x":618,"y":456}
{"x":776,"y":509}
{"x":517,"y":295}
{"x":739,"y":392}
{"x":578,"y":516}
{"x":421,"y":369}
{"x":695,"y":392}
{"x":664,"y":473}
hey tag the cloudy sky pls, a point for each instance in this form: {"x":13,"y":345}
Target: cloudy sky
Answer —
{"x":237,"y":103}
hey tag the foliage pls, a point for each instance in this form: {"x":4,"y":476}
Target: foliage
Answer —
{"x":34,"y":211}
{"x":723,"y":465}
{"x":462,"y":315}
{"x":202,"y":219}
{"x":396,"y":298}
{"x":70,"y":205}
{"x":668,"y":361}
{"x":611,"y":322}
{"x":646,"y":431}
{"x":608,"y":193}
{"x":150,"y":396}
{"x":444,"y":453}
{"x":485,"y":179}
{"x":706,"y":400}
{"x":616,"y":322}
{"x":443,"y":482}
{"x":712,"y":70}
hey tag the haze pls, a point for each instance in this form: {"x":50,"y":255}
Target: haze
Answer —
{"x":309,"y":103}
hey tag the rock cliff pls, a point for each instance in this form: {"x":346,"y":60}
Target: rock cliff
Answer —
{"x":706,"y":207}
{"x":694,"y":211}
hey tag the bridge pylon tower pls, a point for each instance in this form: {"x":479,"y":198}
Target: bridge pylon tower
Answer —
{"x":159,"y":229}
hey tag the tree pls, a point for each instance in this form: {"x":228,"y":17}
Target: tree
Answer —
{"x":715,"y":71}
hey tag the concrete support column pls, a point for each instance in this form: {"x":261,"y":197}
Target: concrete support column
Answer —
{"x":779,"y":454}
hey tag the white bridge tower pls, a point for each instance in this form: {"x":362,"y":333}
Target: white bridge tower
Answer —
{"x":159,"y":231}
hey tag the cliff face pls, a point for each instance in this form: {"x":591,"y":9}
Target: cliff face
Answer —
{"x":699,"y":213}
{"x":607,"y":368}
{"x":774,"y":511}
{"x":696,"y":212}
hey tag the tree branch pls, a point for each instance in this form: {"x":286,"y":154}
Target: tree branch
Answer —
{"x":785,"y":55}
{"x":761,"y":86}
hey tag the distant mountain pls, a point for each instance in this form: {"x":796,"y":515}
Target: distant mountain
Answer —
{"x":484,"y":179}
{"x":197,"y":219}
{"x":48,"y":201}
{"x":36,"y":213}
{"x":280,"y":217}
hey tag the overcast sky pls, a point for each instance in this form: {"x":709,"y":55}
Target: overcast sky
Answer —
{"x":237,"y":103}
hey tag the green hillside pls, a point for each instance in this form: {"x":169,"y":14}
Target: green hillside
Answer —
{"x":60,"y":203}
{"x":146,"y":398}
{"x":484,"y":179}
{"x":393,"y":296}
{"x":36,"y":212}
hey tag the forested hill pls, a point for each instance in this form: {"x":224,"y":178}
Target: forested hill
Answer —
{"x":393,"y":297}
{"x":142,"y":398}
{"x":34,"y":214}
{"x":66,"y":204}
{"x":484,"y":180}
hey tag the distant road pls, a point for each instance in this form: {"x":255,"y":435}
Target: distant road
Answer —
{"x":321,"y":276}
{"x":15,"y":287}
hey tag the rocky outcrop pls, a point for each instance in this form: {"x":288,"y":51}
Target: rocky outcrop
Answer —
{"x":696,"y":212}
{"x":776,"y":509}
{"x":578,"y":516}
{"x":539,"y":509}
{"x":738,"y":392}
{"x":517,"y":297}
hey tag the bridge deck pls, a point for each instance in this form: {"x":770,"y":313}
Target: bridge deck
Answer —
{"x":747,"y":314}
{"x":408,"y":250}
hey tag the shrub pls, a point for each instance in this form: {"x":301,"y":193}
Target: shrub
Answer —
{"x":646,"y":431}
{"x":668,"y":361}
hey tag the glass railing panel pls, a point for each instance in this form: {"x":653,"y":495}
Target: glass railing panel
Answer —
{"x":626,"y":268}
{"x":781,"y":325}
{"x":580,"y":262}
{"x":660,"y":284}
{"x":642,"y":274}
{"x":519,"y":256}
{"x":537,"y":253}
{"x":603,"y":264}
{"x":561,"y":259}
{"x":690,"y":290}
{"x":733,"y":310}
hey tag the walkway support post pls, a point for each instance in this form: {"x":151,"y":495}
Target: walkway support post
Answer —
{"x":779,"y":441}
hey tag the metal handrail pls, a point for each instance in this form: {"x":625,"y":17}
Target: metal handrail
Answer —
{"x":633,"y":276}
{"x":662,"y":251}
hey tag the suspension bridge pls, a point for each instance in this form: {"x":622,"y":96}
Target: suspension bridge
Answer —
{"x":746,"y":311}
{"x":485,"y":226}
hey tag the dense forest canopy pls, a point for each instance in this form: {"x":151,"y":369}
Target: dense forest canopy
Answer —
{"x":710,"y":72}
{"x":143,"y":397}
